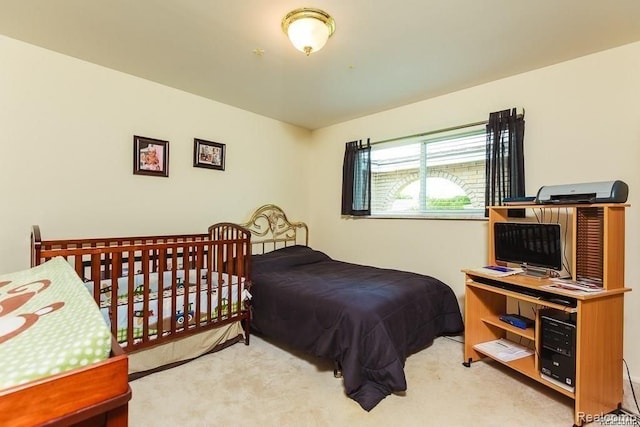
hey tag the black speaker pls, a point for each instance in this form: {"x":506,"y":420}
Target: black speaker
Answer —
{"x":558,"y":342}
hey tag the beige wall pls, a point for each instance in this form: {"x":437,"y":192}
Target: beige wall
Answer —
{"x":66,"y":135}
{"x":582,"y":125}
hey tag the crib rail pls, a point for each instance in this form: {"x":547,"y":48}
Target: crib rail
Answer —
{"x":153,"y":289}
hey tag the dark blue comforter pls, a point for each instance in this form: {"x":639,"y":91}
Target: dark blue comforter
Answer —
{"x":368,"y":319}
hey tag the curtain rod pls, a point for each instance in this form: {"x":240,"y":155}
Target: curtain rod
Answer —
{"x":419,"y":135}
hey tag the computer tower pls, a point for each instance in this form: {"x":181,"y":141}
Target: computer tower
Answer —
{"x":558,"y":346}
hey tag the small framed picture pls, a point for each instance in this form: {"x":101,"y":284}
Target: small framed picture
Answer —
{"x":207,"y":154}
{"x":150,"y":156}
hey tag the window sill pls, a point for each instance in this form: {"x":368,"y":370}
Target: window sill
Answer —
{"x":436,"y":216}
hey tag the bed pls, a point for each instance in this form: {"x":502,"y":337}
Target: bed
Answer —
{"x":366,"y":319}
{"x":58,"y":362}
{"x":167,"y":299}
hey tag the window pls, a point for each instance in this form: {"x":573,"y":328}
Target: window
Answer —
{"x":439,"y":174}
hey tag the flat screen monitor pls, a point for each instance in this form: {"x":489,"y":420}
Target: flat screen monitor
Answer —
{"x":532,"y":244}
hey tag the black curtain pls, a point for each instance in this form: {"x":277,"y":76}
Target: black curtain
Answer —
{"x":504,"y":173}
{"x":356,"y":179}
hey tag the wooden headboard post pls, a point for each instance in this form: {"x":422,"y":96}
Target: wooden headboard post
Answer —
{"x":36,"y":245}
{"x":227,"y":232}
{"x":270,"y":230}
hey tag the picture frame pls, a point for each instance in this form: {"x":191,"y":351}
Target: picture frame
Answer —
{"x":208,"y":154}
{"x":150,"y":156}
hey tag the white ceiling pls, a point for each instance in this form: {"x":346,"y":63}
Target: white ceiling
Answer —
{"x":383,"y":54}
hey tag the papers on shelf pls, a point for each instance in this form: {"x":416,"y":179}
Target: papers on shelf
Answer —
{"x":503,"y":349}
{"x":497,"y":271}
{"x":573,"y":288}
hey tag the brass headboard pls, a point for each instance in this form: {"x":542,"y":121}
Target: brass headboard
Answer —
{"x":270,"y":230}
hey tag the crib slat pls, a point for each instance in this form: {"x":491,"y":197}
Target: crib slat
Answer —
{"x":95,"y":268}
{"x":144,"y":290}
{"x":113,"y":306}
{"x":130,"y":295}
{"x":203,"y":288}
{"x":174,"y":299}
{"x":78,"y":267}
{"x":220,"y":267}
{"x":185,"y":300}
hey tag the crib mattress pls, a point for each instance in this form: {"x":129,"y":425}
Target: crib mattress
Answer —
{"x":49,"y":324}
{"x":180,"y":307}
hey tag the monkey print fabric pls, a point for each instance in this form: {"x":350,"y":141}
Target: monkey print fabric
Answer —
{"x":48,"y":324}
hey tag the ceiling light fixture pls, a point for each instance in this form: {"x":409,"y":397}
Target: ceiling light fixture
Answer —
{"x":308,"y":28}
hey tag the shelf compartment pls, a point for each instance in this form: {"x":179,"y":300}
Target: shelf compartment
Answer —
{"x":494,"y":320}
{"x":523,"y":365}
{"x":520,"y":296}
{"x":526,"y":366}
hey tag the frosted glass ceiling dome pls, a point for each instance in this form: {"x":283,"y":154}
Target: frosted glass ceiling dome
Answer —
{"x":308,"y":29}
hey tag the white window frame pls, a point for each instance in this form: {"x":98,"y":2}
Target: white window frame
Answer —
{"x":474,"y":149}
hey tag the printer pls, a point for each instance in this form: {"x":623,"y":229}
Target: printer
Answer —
{"x":591,"y":192}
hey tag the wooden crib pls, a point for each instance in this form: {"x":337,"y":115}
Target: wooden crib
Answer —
{"x":154,"y":290}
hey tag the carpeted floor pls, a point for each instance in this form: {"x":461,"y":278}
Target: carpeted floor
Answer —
{"x":263,"y":384}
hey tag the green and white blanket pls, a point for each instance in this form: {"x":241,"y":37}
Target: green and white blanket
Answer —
{"x":49,"y":324}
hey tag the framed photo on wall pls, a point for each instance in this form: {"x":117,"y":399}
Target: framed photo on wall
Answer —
{"x":150,"y":156}
{"x":208,"y":154}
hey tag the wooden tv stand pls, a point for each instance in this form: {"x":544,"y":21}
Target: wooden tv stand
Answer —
{"x":598,"y":386}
